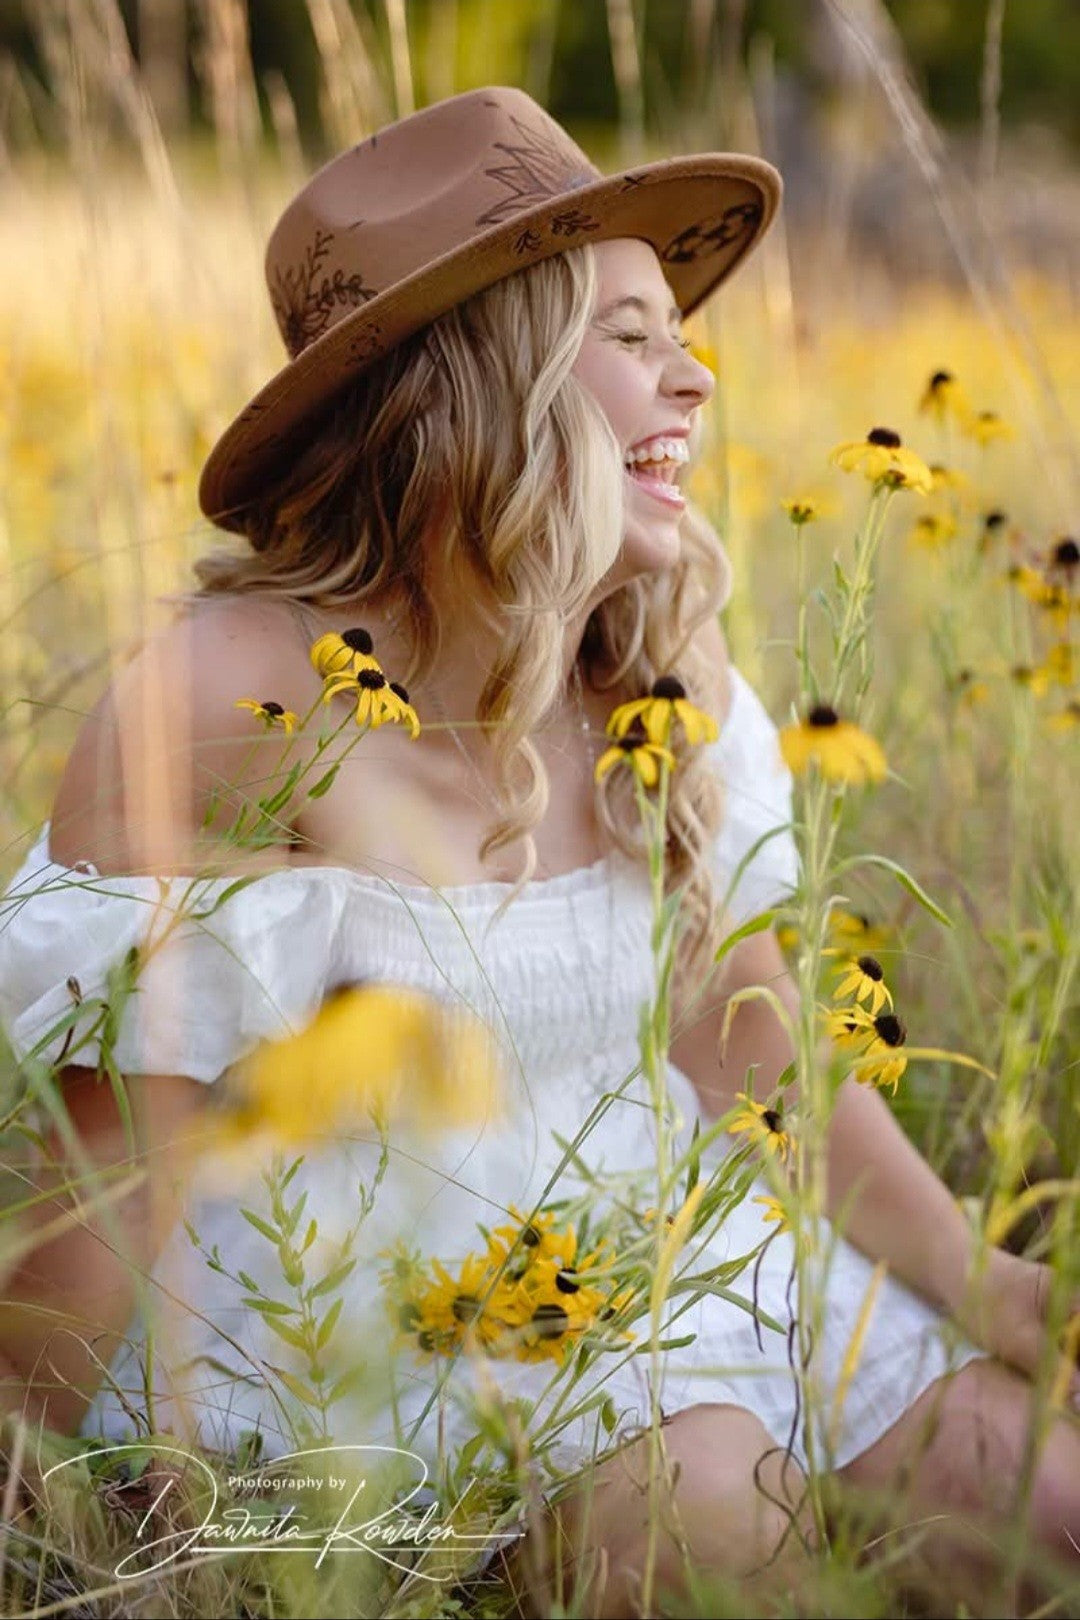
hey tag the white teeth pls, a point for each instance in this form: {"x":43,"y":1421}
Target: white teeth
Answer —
{"x":659,"y":450}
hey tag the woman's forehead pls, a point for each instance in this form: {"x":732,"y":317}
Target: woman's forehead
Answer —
{"x":629,"y":267}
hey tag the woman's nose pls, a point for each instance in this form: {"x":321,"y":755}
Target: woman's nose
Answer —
{"x":687,"y":377}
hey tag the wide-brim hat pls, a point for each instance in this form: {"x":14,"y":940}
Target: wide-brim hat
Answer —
{"x":436,"y":207}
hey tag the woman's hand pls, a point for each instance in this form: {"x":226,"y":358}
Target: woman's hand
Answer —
{"x":1005,"y":1310}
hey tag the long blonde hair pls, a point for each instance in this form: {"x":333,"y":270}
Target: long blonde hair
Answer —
{"x":477,"y":418}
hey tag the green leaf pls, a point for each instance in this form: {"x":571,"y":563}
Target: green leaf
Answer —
{"x":328,"y":1324}
{"x":268,"y":1307}
{"x":667,"y":1344}
{"x":345,"y":1385}
{"x":297,"y":1387}
{"x":756,"y":925}
{"x":290,"y":1335}
{"x":608,"y":1415}
{"x":905,"y":880}
{"x":261,"y":1226}
{"x":291,"y":1171}
{"x":332,"y":1279}
{"x":310,"y":1235}
{"x":325,"y":783}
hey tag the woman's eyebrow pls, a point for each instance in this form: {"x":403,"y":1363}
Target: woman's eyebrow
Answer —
{"x":631,"y":301}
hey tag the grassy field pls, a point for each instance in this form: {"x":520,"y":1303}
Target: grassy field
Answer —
{"x":132,"y":328}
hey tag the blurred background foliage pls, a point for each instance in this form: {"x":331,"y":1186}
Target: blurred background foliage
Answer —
{"x":561,"y":53}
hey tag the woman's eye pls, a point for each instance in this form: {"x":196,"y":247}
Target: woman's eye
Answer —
{"x":632,"y":337}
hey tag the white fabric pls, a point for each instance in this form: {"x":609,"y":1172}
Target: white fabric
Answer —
{"x":560,"y":977}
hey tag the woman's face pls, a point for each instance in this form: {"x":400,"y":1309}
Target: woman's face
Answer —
{"x":649,"y":388}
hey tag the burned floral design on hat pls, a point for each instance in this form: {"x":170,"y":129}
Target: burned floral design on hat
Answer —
{"x":304,"y":304}
{"x":709,"y":235}
{"x":540,"y":167}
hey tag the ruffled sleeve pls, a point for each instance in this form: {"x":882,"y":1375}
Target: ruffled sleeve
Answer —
{"x":757,"y":800}
{"x":215,"y":966}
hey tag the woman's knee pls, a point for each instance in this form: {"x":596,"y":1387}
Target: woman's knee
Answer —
{"x":731,"y":1504}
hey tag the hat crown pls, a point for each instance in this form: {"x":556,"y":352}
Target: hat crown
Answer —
{"x":412,"y":192}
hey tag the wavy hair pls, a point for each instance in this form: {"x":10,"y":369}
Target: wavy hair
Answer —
{"x":477,"y":419}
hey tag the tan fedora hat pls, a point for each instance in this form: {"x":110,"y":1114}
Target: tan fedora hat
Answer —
{"x":438,"y":206}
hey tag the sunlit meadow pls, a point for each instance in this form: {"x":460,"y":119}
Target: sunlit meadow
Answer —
{"x":131,"y":329}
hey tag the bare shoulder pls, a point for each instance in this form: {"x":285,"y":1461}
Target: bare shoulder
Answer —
{"x":166,"y":737}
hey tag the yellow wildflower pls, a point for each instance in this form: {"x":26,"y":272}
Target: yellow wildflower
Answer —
{"x":943,"y":397}
{"x":1064,"y":558}
{"x":1066,"y":719}
{"x":933,"y":530}
{"x":882,"y":459}
{"x":377,"y":699}
{"x":864,"y":978}
{"x":635,"y":750}
{"x":372,"y":1050}
{"x":271,"y":714}
{"x":344,"y":654}
{"x":840,"y":750}
{"x":666,"y":703}
{"x":882,"y":1064}
{"x":987,"y":426}
{"x":773,"y":1211}
{"x":948,"y":478}
{"x":763,"y":1125}
{"x":857,"y":932}
{"x":801,"y":510}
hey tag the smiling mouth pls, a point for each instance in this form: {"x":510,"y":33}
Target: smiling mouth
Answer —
{"x":656,"y":468}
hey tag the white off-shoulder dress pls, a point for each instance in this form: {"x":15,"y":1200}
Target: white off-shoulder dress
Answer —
{"x":560,"y":979}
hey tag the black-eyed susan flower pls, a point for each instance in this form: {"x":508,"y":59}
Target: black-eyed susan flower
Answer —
{"x":994,"y":522}
{"x":968,"y":688}
{"x":377,"y":701}
{"x":949,"y":479}
{"x":667,"y":702}
{"x":272,"y":715}
{"x":1059,"y":665}
{"x":850,"y":1028}
{"x":882,"y":458}
{"x":1064,"y":558}
{"x":1065,"y":720}
{"x":943,"y":397}
{"x":525,"y":1242}
{"x":841,"y":751}
{"x":763,"y":1125}
{"x":1034,"y":680}
{"x":635,"y":749}
{"x":882,"y":1063}
{"x":773,"y":1211}
{"x":801,"y":510}
{"x":346,"y":653}
{"x":372,"y":1051}
{"x":932,"y":531}
{"x":864,"y":978}
{"x":856,"y":933}
{"x":986,"y":426}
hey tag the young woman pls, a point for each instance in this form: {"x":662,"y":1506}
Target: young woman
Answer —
{"x":485,"y":362}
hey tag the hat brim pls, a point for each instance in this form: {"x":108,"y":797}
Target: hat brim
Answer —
{"x":701,"y":214}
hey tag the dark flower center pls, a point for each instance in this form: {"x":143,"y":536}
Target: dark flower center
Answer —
{"x":372,"y":679}
{"x":872,"y":968}
{"x":631,"y":741}
{"x":359,"y":640}
{"x":822,"y":716}
{"x":940,"y":378}
{"x":466,"y":1307}
{"x":773,"y":1120}
{"x":551,"y":1321}
{"x":408,"y":1316}
{"x":426,"y":1340}
{"x":668,"y":687}
{"x":399,"y":691}
{"x":530,"y":1236}
{"x":885,"y":437}
{"x":272,"y":708}
{"x":1066,"y":553}
{"x":566,"y":1282}
{"x":890,"y":1029}
{"x":994,"y":519}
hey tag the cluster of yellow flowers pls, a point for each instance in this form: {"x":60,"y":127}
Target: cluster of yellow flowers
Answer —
{"x":530,"y":1295}
{"x":642,"y":730}
{"x":868,"y":1025}
{"x":347,"y":663}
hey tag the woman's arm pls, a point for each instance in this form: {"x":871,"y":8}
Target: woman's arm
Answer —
{"x":69,"y":1301}
{"x":886,"y":1198}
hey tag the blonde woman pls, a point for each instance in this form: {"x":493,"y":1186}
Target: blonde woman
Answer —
{"x":466,"y":476}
